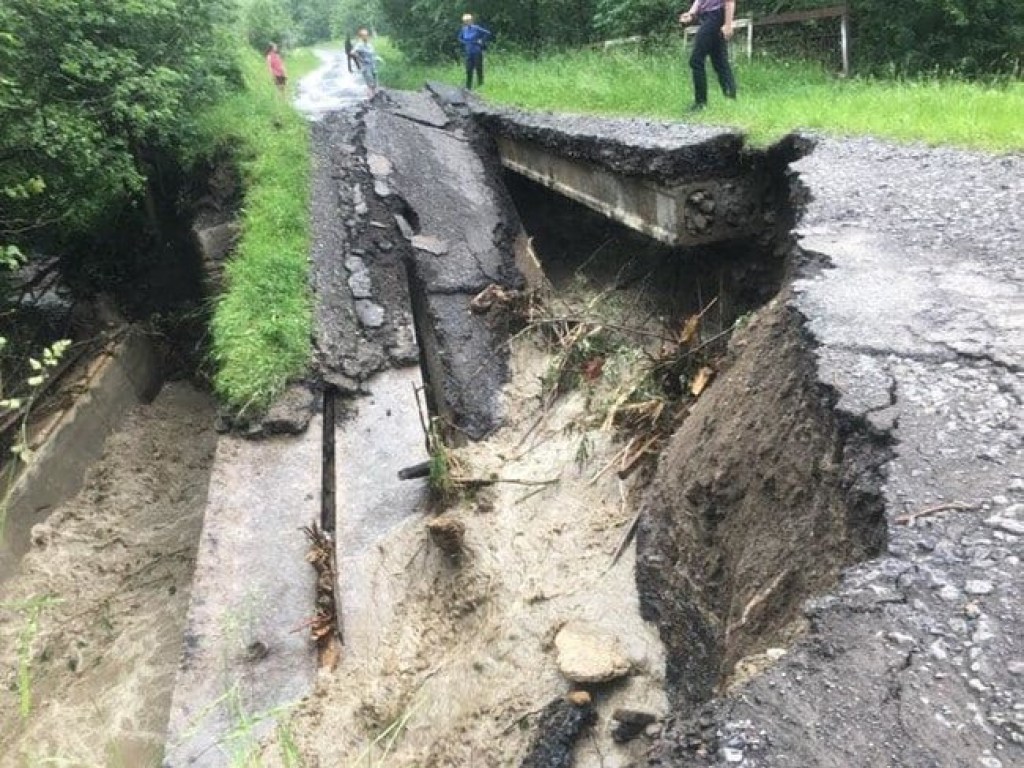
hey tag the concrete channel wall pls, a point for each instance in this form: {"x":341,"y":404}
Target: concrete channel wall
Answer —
{"x":124,"y":374}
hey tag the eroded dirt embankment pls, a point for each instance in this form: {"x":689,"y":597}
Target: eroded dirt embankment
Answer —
{"x":763,"y":496}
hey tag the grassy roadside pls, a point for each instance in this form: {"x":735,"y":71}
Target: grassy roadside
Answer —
{"x":262,"y":323}
{"x":775,"y":96}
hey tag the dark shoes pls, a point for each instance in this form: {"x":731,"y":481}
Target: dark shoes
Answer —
{"x":697,"y":106}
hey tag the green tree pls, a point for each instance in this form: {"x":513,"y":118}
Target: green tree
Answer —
{"x":426,"y":29}
{"x":90,"y":90}
{"x":269,"y":21}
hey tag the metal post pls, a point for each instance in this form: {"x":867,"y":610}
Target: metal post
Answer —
{"x":844,"y":41}
{"x":750,"y":39}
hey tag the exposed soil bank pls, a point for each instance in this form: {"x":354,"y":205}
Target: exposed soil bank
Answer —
{"x":117,"y":562}
{"x":762,"y":497}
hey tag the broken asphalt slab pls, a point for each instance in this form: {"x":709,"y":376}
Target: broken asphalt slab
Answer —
{"x":459,"y":229}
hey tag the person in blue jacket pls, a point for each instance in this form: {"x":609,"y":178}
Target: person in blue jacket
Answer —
{"x":473,"y":39}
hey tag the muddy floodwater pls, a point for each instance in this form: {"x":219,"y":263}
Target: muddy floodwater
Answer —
{"x":91,"y":623}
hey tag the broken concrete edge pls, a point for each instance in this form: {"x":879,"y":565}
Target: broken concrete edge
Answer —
{"x":119,"y":375}
{"x":677,"y":153}
{"x":246,"y":652}
{"x":288,"y":414}
{"x":704,"y":644}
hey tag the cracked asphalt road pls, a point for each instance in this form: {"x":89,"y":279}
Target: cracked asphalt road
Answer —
{"x":917,"y":658}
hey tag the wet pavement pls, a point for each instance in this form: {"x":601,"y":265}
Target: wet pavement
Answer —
{"x":331,"y":87}
{"x":380,"y":434}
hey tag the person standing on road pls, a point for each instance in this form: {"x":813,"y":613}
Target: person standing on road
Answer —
{"x":348,"y":52}
{"x":713,"y":34}
{"x":366,"y":58}
{"x":473,"y":39}
{"x":276,"y":66}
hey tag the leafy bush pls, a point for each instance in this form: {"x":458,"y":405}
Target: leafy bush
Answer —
{"x":90,"y":91}
{"x":971,"y":37}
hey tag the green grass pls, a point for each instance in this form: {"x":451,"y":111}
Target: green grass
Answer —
{"x":775,"y":97}
{"x":262,"y":323}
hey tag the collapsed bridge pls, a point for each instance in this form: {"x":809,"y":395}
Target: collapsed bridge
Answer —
{"x":422,"y":203}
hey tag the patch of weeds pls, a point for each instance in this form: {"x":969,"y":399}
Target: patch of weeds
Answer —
{"x":379,"y":750}
{"x":444,"y":467}
{"x":262,"y":324}
{"x":290,"y":755}
{"x":583,"y":452}
{"x":32,"y":611}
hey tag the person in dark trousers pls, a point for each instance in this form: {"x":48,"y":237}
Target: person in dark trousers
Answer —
{"x":348,"y":52}
{"x":714,"y":18}
{"x":473,"y":39}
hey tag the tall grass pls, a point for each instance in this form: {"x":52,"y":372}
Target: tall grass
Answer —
{"x":262,"y":323}
{"x":775,"y":96}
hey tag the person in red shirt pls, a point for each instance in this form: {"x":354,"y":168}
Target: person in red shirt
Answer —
{"x":276,"y":66}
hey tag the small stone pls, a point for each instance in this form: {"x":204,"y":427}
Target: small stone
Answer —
{"x":1006,"y":524}
{"x":990,"y":762}
{"x":978,"y":587}
{"x":774,"y":654}
{"x":900,"y":639}
{"x":976,"y":685}
{"x":630,"y":723}
{"x":579,"y":698}
{"x":1000,"y":501}
{"x":360,"y":285}
{"x":984,"y":631}
{"x":949,"y":593}
{"x":937,"y":650}
{"x":971,"y":611}
{"x":1017,"y":484}
{"x":381,"y":188}
{"x":404,"y":227}
{"x":291,"y":412}
{"x":448,"y":534}
{"x":379,"y":165}
{"x":731,"y":755}
{"x":1015,"y":668}
{"x":586,"y":654}
{"x":430,"y":244}
{"x":370,"y":313}
{"x":634,"y":716}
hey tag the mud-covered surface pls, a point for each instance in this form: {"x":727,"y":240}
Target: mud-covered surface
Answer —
{"x":108,"y":581}
{"x":462,"y":660}
{"x":914,"y":301}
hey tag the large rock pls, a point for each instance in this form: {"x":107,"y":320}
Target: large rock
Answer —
{"x":587,"y":654}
